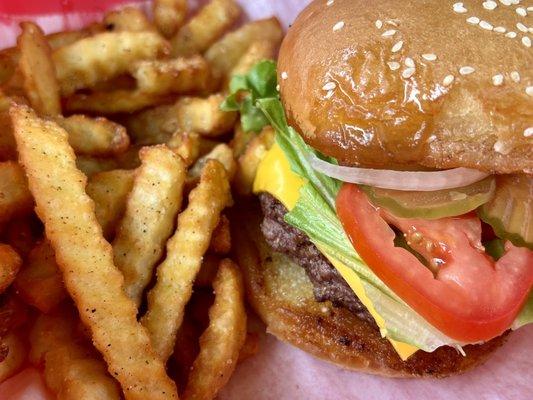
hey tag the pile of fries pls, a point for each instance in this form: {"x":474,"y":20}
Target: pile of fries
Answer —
{"x":116,"y":167}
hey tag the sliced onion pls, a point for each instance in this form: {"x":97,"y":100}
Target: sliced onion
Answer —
{"x":399,"y":180}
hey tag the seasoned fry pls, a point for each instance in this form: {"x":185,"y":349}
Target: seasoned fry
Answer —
{"x":205,"y":27}
{"x":60,"y":39}
{"x":103,"y":56}
{"x":221,"y":239}
{"x":85,"y":258}
{"x":178,"y":75}
{"x":175,"y":276}
{"x":224,"y":54}
{"x":15,"y":198}
{"x":169,"y":15}
{"x":9,"y":59}
{"x":95,"y":136}
{"x":222,"y":341}
{"x":55,"y":327}
{"x":93,"y":165}
{"x":152,"y":207}
{"x":249,"y":161}
{"x":15,"y":358}
{"x":240,"y":140}
{"x":186,"y":145}
{"x":8,"y":147}
{"x":223,"y":154}
{"x":40,"y":283}
{"x":10,"y":263}
{"x":189,"y":114}
{"x":129,"y":19}
{"x":38,"y":71}
{"x":113,"y":102}
{"x":258,"y":51}
{"x":109,"y":191}
{"x":71,"y":368}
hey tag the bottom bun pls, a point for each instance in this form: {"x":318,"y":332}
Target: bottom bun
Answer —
{"x":282,"y":295}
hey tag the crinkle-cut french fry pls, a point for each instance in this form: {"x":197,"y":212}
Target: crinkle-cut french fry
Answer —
{"x":15,"y":198}
{"x":257,"y":52}
{"x":223,"y":154}
{"x":129,"y":19}
{"x":38,"y":70}
{"x":224,"y":54}
{"x":103,"y":56}
{"x":151,"y":210}
{"x":86,"y":258}
{"x":72,"y":369}
{"x":169,"y":15}
{"x":188,"y":114}
{"x":221,"y":239}
{"x":10,"y":263}
{"x":114,"y":102}
{"x":186,"y":145}
{"x":40,"y":283}
{"x":95,"y":136}
{"x":109,"y":191}
{"x":16,"y":355}
{"x":205,"y":27}
{"x":175,"y":276}
{"x":249,"y":161}
{"x":178,"y":75}
{"x":223,"y":339}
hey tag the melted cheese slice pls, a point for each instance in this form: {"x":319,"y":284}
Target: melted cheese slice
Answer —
{"x":275,"y":176}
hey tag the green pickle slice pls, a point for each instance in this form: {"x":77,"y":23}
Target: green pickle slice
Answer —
{"x":436,"y":204}
{"x":510,"y":212}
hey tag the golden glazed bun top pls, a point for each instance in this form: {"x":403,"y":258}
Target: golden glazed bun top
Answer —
{"x":407,"y":84}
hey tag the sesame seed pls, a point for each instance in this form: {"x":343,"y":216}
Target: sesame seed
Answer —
{"x":448,"y":80}
{"x":392,"y":22}
{"x":499,"y":147}
{"x":330,"y":2}
{"x":393,"y":65}
{"x":284,"y":75}
{"x":473,"y":20}
{"x":278,"y":87}
{"x":526,"y":41}
{"x":529,"y":90}
{"x":511,"y":34}
{"x":515,"y":76}
{"x":408,"y":72}
{"x":486,"y":25}
{"x":506,"y":2}
{"x":497,"y":80}
{"x":528,"y":132}
{"x":515,"y":2}
{"x":329,"y":86}
{"x":459,"y":8}
{"x":409,"y":62}
{"x":521,"y":27}
{"x":389,"y":33}
{"x":500,"y":29}
{"x":530,"y":9}
{"x":490,"y":5}
{"x":466,"y":70}
{"x":379,"y":24}
{"x":329,"y":95}
{"x":338,"y":26}
{"x":521,"y":11}
{"x":397,"y":47}
{"x":429,"y":57}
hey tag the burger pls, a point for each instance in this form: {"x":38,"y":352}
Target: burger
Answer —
{"x":393,"y":232}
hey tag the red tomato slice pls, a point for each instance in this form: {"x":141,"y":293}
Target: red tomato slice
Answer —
{"x":470,"y":298}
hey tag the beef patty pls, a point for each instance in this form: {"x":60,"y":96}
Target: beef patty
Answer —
{"x":327,"y":282}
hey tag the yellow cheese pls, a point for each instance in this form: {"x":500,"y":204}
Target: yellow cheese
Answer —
{"x":275,"y":176}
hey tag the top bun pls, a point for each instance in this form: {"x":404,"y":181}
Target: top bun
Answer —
{"x":410,"y":84}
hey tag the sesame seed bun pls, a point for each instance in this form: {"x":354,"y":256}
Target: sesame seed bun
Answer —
{"x":282,"y":295}
{"x":409,"y":84}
